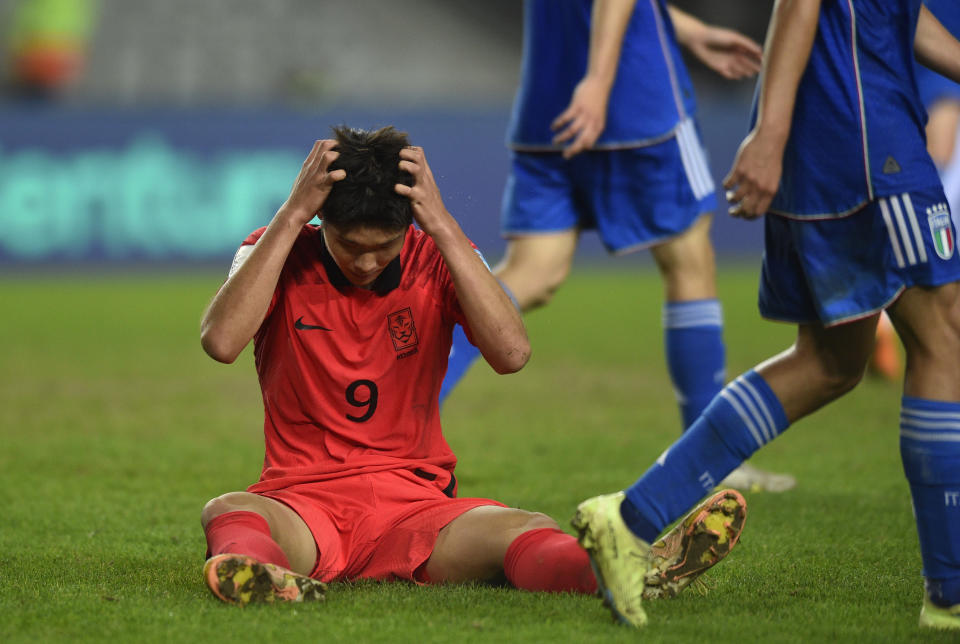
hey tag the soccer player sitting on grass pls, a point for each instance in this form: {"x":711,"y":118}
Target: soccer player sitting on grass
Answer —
{"x":856,"y":222}
{"x":351,"y":322}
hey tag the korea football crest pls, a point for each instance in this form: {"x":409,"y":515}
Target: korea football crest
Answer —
{"x":403,"y":332}
{"x":941,"y":229}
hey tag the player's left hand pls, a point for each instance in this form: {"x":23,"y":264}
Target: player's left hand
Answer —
{"x":727,"y":52}
{"x":424,"y":195}
{"x":755,"y":176}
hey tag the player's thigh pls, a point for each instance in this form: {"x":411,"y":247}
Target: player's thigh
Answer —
{"x":473,"y":546}
{"x":286,"y":527}
{"x":687,"y":263}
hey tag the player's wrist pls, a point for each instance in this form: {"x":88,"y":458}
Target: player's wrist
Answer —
{"x":443,"y":230}
{"x":293,"y":217}
{"x":773,"y":132}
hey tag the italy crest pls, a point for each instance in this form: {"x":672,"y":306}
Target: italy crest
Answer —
{"x":941,"y":229}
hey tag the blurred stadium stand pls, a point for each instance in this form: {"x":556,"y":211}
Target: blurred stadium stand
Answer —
{"x":167,"y":130}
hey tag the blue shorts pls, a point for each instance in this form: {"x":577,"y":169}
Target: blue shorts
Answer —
{"x":831,"y":271}
{"x":634,"y":197}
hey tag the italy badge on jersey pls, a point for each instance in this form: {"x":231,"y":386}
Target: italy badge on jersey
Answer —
{"x":938,"y":216}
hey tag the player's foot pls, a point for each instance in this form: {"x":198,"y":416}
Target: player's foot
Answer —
{"x":619,"y":558}
{"x":933,"y":616}
{"x":748,"y":477}
{"x":885,"y":360}
{"x":238,"y":579}
{"x":702,"y":539}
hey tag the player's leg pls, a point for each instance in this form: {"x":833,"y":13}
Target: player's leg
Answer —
{"x":749,"y":412}
{"x":535,"y":266}
{"x":488,"y":543}
{"x":928,"y":321}
{"x":259,"y":550}
{"x":693,"y":338}
{"x":692,"y":318}
{"x":823,"y":364}
{"x":756,"y":407}
{"x":529,"y":550}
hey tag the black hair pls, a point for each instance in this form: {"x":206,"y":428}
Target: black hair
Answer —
{"x":366,"y":197}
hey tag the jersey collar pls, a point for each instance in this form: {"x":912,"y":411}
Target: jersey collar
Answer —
{"x":388,"y":280}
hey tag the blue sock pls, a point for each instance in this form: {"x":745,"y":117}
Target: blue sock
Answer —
{"x":693,"y":341}
{"x":463,"y":354}
{"x":930,"y":449}
{"x":744,"y":417}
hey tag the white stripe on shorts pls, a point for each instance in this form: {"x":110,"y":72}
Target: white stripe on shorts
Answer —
{"x":917,"y":235}
{"x":885,"y":211}
{"x":694,"y":161}
{"x":904,"y":235}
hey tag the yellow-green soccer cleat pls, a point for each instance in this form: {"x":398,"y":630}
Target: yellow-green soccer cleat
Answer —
{"x":698,"y":542}
{"x":933,"y":616}
{"x":619,"y":558}
{"x":239,"y":579}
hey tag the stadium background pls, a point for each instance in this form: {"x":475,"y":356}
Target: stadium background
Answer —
{"x":163,"y":132}
{"x":139,"y":142}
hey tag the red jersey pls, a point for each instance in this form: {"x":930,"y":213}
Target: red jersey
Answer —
{"x":350,"y":377}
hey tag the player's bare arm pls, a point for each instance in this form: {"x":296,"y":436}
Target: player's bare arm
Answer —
{"x":935,"y":47}
{"x":725,"y":51}
{"x":755,"y":176}
{"x":495,"y":323}
{"x":583,"y":121}
{"x":238,"y":308}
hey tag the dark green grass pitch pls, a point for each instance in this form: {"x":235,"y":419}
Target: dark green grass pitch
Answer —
{"x":115,"y":429}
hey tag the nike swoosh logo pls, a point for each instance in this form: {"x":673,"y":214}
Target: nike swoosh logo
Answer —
{"x":299,"y":324}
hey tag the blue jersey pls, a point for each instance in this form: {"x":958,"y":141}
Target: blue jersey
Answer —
{"x":858,"y":124}
{"x":932,"y":85}
{"x":652,"y":92}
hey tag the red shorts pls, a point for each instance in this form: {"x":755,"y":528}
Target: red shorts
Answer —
{"x":381,"y":525}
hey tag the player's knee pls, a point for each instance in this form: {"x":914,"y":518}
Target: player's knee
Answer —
{"x":689,"y":277}
{"x":532,"y":283}
{"x":229,"y":502}
{"x":837,"y":379}
{"x":537,"y":521}
{"x":547,"y":286}
{"x":828,"y":376}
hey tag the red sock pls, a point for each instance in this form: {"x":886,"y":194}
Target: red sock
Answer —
{"x":549,"y":560}
{"x":244,"y":533}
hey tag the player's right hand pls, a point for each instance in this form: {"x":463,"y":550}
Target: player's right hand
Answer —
{"x":584,"y":119}
{"x":755,"y":176}
{"x":313,"y":184}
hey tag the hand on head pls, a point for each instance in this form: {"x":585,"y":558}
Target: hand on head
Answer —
{"x":313,"y":184}
{"x":428,"y":209}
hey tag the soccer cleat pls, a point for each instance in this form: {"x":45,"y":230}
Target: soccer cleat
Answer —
{"x":619,"y":558}
{"x":698,"y":542}
{"x":239,"y":579}
{"x":748,"y":477}
{"x":933,"y":616}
